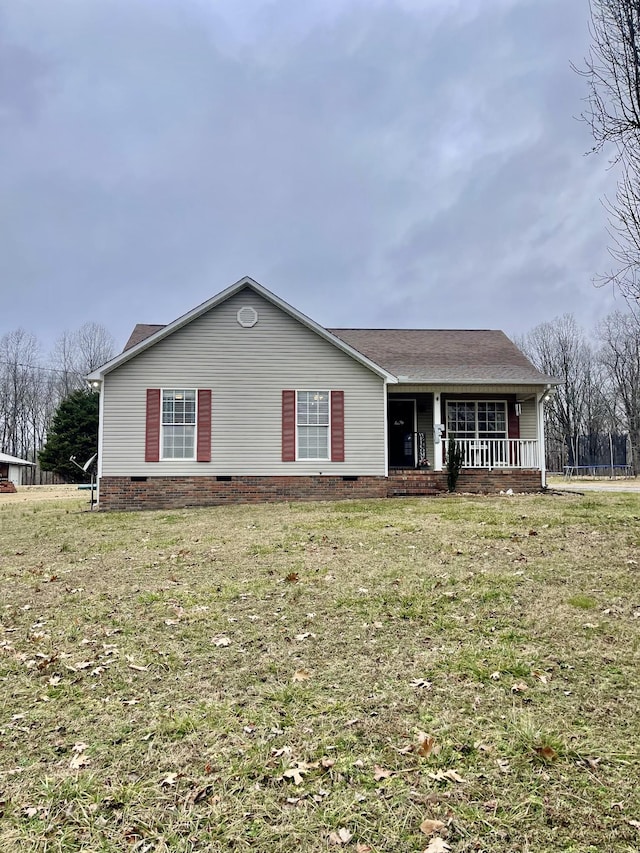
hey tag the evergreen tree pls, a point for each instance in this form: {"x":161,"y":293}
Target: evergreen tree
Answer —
{"x":73,"y":432}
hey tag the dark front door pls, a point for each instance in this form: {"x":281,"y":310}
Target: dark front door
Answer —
{"x":401,"y":433}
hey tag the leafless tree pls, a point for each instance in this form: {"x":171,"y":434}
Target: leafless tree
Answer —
{"x":620,"y":356}
{"x":28,"y":395}
{"x":31,"y":390}
{"x":560,"y":348}
{"x":612,"y":70}
{"x":613,"y":73}
{"x":79,"y":352}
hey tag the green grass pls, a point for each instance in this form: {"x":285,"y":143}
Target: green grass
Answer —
{"x":164,"y":685}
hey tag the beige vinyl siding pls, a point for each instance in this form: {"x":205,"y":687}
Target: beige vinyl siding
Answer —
{"x":246,"y":369}
{"x":529,"y":420}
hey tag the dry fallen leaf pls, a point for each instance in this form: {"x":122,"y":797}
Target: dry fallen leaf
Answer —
{"x":342,"y":836}
{"x":363,"y":848}
{"x":169,"y":779}
{"x":301,"y":675}
{"x":295,"y":774}
{"x":421,"y":684}
{"x":138,"y":668}
{"x":79,"y":759}
{"x":446,"y":775}
{"x":437,"y":845}
{"x":430,"y":826}
{"x":546,"y":752}
{"x":203,"y":794}
{"x":78,"y":762}
{"x":221,"y":642}
{"x":380,"y":773}
{"x":427,"y":746}
{"x":519,"y":687}
{"x":292,"y":577}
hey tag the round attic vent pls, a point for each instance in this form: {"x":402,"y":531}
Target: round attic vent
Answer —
{"x":247,"y":316}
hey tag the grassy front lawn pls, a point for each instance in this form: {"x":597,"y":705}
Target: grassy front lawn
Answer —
{"x":322,"y":676}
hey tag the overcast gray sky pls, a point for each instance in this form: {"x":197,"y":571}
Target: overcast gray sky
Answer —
{"x":413,"y":163}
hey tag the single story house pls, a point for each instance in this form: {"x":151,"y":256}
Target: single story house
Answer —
{"x":245,"y":398}
{"x":11,"y":468}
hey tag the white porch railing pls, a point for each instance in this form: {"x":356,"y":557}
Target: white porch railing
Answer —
{"x":499,"y":452}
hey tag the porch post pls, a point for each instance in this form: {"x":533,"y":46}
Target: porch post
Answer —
{"x":437,"y":445}
{"x":541,"y":443}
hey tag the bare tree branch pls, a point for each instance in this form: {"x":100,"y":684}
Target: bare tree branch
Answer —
{"x":612,"y":70}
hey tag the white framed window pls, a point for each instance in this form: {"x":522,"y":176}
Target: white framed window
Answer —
{"x":312,"y":424}
{"x":477,"y":418}
{"x":178,"y":423}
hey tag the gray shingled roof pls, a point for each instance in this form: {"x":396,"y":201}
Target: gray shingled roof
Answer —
{"x":445,"y":355}
{"x":141,"y":332}
{"x":429,"y":355}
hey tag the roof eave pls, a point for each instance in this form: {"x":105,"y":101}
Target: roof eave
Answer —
{"x":541,"y":380}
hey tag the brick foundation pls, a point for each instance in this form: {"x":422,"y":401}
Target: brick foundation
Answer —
{"x":7,"y":487}
{"x":127,"y":493}
{"x":408,"y":481}
{"x":480,"y":481}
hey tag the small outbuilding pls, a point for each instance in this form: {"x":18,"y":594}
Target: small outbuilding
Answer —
{"x":11,"y":468}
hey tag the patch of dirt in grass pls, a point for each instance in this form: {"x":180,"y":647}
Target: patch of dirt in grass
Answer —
{"x":310,"y":677}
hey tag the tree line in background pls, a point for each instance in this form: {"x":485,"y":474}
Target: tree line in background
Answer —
{"x":33,"y":387}
{"x":594,"y":415}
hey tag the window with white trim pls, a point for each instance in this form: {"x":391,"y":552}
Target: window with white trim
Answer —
{"x":312,"y":424}
{"x":477,"y":418}
{"x":178,"y":423}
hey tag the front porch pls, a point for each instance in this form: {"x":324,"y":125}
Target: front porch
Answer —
{"x":499,"y":430}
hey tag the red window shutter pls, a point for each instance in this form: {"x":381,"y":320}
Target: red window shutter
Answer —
{"x":203,"y":451}
{"x":152,"y":437}
{"x":514,"y":420}
{"x":288,"y":426}
{"x":337,"y":426}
